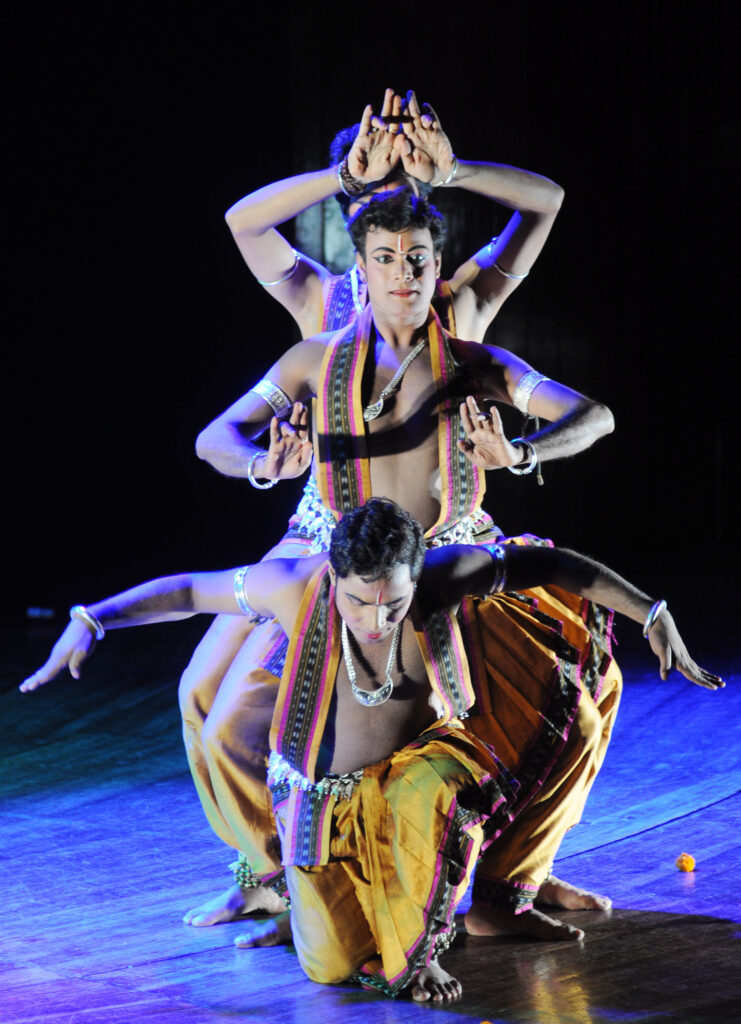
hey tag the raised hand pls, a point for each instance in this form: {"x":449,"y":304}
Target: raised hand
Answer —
{"x":290,"y":449}
{"x":72,"y":648}
{"x":376,"y":150}
{"x":669,"y":648}
{"x":426,"y":154}
{"x":485,"y":445}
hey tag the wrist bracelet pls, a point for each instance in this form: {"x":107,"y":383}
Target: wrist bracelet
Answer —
{"x":656,"y":609}
{"x":79,"y":611}
{"x":349,"y":185}
{"x":251,"y":474}
{"x":532,"y":459}
{"x":450,"y":177}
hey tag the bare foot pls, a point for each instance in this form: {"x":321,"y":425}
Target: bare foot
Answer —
{"x":436,"y":984}
{"x":555,"y":893}
{"x":233,"y":904}
{"x":484,"y":920}
{"x":276,"y":931}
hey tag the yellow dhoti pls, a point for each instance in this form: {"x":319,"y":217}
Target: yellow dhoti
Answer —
{"x":402,"y":850}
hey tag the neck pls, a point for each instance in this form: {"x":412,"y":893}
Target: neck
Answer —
{"x":399,"y":335}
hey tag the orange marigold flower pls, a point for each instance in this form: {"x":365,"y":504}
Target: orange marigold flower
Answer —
{"x":685,"y":862}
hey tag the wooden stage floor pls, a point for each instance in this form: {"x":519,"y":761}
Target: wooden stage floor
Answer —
{"x":104,"y":847}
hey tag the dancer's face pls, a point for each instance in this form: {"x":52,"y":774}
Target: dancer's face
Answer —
{"x":372,"y":608}
{"x":401,"y":268}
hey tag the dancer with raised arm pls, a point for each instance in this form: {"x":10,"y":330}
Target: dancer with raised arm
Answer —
{"x":225,"y":691}
{"x":397,"y":379}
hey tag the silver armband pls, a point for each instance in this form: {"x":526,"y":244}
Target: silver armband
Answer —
{"x":525,"y":387}
{"x":497,"y":266}
{"x":276,"y":397}
{"x":283,"y":277}
{"x":240,"y":594}
{"x":499,"y":558}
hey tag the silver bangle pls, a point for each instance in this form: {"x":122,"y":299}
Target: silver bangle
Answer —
{"x":508,"y":273}
{"x":79,"y":611}
{"x":527,"y":383}
{"x":240,"y":594}
{"x":656,"y":609}
{"x":251,"y":473}
{"x":283,"y":277}
{"x":532,"y":460}
{"x":276,"y":397}
{"x":499,"y":556}
{"x":450,"y":177}
{"x":350,"y":186}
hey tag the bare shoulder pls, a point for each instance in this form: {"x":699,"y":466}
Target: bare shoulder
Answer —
{"x":307,"y":355}
{"x":277,"y":586}
{"x":493,"y":372}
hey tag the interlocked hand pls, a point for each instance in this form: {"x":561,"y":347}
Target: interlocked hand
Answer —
{"x":377,"y":148}
{"x":427,"y":154}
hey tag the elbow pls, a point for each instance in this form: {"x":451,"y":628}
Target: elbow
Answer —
{"x":239,"y":221}
{"x":602,"y":419}
{"x":205,"y":445}
{"x":557,"y":197}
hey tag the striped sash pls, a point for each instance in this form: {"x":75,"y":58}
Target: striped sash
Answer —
{"x":342,"y":463}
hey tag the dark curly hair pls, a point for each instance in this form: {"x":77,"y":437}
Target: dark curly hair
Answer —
{"x":370,"y":541}
{"x":396,"y":211}
{"x":340,"y":146}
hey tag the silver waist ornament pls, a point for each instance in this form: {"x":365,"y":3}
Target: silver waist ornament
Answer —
{"x":370,"y":698}
{"x":372,"y":412}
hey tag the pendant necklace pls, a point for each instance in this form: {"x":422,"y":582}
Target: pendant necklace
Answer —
{"x":371,"y":412}
{"x":370,"y":698}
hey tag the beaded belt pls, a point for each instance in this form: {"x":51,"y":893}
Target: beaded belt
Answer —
{"x":342,"y":786}
{"x":313,"y":520}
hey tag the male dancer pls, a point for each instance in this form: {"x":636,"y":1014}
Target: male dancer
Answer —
{"x":411,"y":450}
{"x":383,"y":798}
{"x":401,"y":145}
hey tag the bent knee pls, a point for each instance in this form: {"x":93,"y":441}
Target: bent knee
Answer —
{"x":325,"y":974}
{"x":586,"y":730}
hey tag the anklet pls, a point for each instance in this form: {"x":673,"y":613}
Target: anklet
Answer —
{"x":244,"y":876}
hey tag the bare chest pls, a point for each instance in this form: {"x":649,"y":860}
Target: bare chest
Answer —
{"x":364,"y":735}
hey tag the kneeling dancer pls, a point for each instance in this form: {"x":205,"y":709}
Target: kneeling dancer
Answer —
{"x":384,"y":800}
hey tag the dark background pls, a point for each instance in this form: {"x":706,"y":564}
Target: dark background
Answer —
{"x":131,"y":320}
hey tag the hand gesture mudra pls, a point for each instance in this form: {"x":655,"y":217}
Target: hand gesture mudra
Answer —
{"x":485,"y":445}
{"x":376,"y":151}
{"x":74,"y":646}
{"x":427,"y":154}
{"x":290,"y":450}
{"x":669,"y":648}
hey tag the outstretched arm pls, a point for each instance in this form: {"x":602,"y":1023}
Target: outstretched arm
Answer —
{"x":452,"y":572}
{"x":580,"y":574}
{"x":481,"y":285}
{"x":272,"y":588}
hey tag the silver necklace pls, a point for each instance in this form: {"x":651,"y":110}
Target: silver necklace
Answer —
{"x":371,"y":412}
{"x":370,"y":698}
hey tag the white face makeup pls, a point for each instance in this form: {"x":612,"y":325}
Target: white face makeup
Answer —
{"x":372,"y":608}
{"x":401,"y":269}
